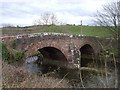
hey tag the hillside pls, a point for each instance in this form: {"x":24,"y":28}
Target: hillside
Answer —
{"x":86,"y":30}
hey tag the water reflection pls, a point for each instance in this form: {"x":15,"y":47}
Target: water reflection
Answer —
{"x":32,"y":66}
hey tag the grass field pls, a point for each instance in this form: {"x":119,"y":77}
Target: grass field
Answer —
{"x":86,"y":30}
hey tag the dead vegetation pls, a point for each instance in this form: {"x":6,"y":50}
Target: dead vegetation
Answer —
{"x":17,"y":77}
{"x":14,"y":76}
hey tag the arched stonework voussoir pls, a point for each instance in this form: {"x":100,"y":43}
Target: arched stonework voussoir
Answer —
{"x":34,"y":47}
{"x":95,"y":45}
{"x":52,"y":53}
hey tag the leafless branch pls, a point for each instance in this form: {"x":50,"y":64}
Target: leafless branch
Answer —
{"x":109,"y":17}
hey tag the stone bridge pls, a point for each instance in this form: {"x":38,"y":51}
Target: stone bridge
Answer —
{"x":58,"y":47}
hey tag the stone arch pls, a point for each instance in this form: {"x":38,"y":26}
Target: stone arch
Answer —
{"x":52,"y":53}
{"x":87,"y":55}
{"x":34,"y":47}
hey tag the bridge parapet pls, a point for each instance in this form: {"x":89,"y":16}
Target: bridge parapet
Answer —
{"x":47,"y":34}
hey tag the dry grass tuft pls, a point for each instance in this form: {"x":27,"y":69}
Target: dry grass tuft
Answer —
{"x":17,"y":77}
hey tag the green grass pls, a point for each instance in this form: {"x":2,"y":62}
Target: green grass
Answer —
{"x":10,"y":56}
{"x":6,"y":54}
{"x":91,"y":31}
{"x":86,"y":30}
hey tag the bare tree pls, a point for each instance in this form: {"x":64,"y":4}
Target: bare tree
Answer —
{"x":53,"y":19}
{"x":47,"y":18}
{"x":109,"y":17}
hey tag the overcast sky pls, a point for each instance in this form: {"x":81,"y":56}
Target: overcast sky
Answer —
{"x":24,"y":12}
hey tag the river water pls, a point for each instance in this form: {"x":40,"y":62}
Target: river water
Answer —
{"x":89,"y":79}
{"x":31,"y":66}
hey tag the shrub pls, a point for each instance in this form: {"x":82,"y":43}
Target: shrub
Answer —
{"x":6,"y":55}
{"x":18,"y":56}
{"x":9,"y":57}
{"x":13,"y":45}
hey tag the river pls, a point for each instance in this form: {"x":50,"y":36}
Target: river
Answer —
{"x":88,"y":79}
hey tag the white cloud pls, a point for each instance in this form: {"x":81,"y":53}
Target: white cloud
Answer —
{"x":24,"y":12}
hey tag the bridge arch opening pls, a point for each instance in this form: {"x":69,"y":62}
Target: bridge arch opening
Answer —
{"x":87,"y":55}
{"x":52,"y":53}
